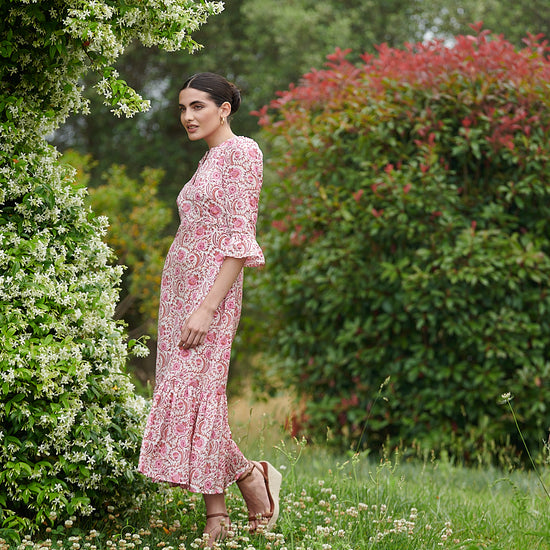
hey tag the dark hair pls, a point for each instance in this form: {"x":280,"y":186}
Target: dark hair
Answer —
{"x":217,"y":87}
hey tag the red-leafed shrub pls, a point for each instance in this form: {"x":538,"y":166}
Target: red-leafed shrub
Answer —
{"x":410,"y":238}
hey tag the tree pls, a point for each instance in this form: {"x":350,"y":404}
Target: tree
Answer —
{"x":410,"y":242}
{"x":70,"y":423}
{"x":515,"y":20}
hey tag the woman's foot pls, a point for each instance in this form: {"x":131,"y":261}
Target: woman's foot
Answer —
{"x":217,"y":528}
{"x":260,"y":486}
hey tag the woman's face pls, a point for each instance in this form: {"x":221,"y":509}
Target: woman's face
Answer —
{"x":201,"y":117}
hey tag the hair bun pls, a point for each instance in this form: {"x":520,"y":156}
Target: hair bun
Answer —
{"x":236,"y":99}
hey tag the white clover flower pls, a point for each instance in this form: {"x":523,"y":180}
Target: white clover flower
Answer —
{"x":506,"y":397}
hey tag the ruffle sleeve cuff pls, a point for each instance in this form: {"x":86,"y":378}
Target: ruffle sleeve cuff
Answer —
{"x":243,"y":245}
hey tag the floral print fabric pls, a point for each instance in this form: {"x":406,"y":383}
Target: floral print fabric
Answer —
{"x":187,"y":439}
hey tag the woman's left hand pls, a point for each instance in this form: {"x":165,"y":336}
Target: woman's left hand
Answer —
{"x":197,"y":325}
{"x":195,"y":328}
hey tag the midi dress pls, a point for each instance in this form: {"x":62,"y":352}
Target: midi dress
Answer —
{"x":187,"y":439}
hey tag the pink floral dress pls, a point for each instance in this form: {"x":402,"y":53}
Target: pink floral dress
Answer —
{"x":187,"y":439}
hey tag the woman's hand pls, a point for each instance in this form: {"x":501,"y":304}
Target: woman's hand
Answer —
{"x":195,"y":328}
{"x":193,"y":331}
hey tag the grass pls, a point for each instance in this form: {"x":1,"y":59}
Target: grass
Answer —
{"x":333,"y":502}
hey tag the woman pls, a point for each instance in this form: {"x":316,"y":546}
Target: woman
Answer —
{"x":187,"y":440}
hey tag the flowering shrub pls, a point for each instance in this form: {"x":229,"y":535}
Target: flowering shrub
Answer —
{"x":70,"y":423}
{"x":410,"y":239}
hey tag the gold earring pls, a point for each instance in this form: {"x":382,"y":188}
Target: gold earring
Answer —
{"x":222,"y":121}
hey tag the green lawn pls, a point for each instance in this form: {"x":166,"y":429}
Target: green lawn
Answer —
{"x":341,"y":504}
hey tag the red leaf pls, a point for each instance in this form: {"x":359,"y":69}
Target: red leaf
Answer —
{"x":476,"y":26}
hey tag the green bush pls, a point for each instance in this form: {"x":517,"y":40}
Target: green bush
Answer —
{"x":409,"y":238}
{"x":70,"y":424}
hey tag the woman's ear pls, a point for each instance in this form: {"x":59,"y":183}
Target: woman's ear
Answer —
{"x":225,"y":109}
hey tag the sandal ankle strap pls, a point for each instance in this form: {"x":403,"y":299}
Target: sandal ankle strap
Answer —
{"x":248,"y":472}
{"x":220,"y":515}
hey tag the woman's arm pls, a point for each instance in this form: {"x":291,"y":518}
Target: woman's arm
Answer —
{"x":197,"y":324}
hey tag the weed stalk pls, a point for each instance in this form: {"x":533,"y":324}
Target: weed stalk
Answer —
{"x":507,"y":399}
